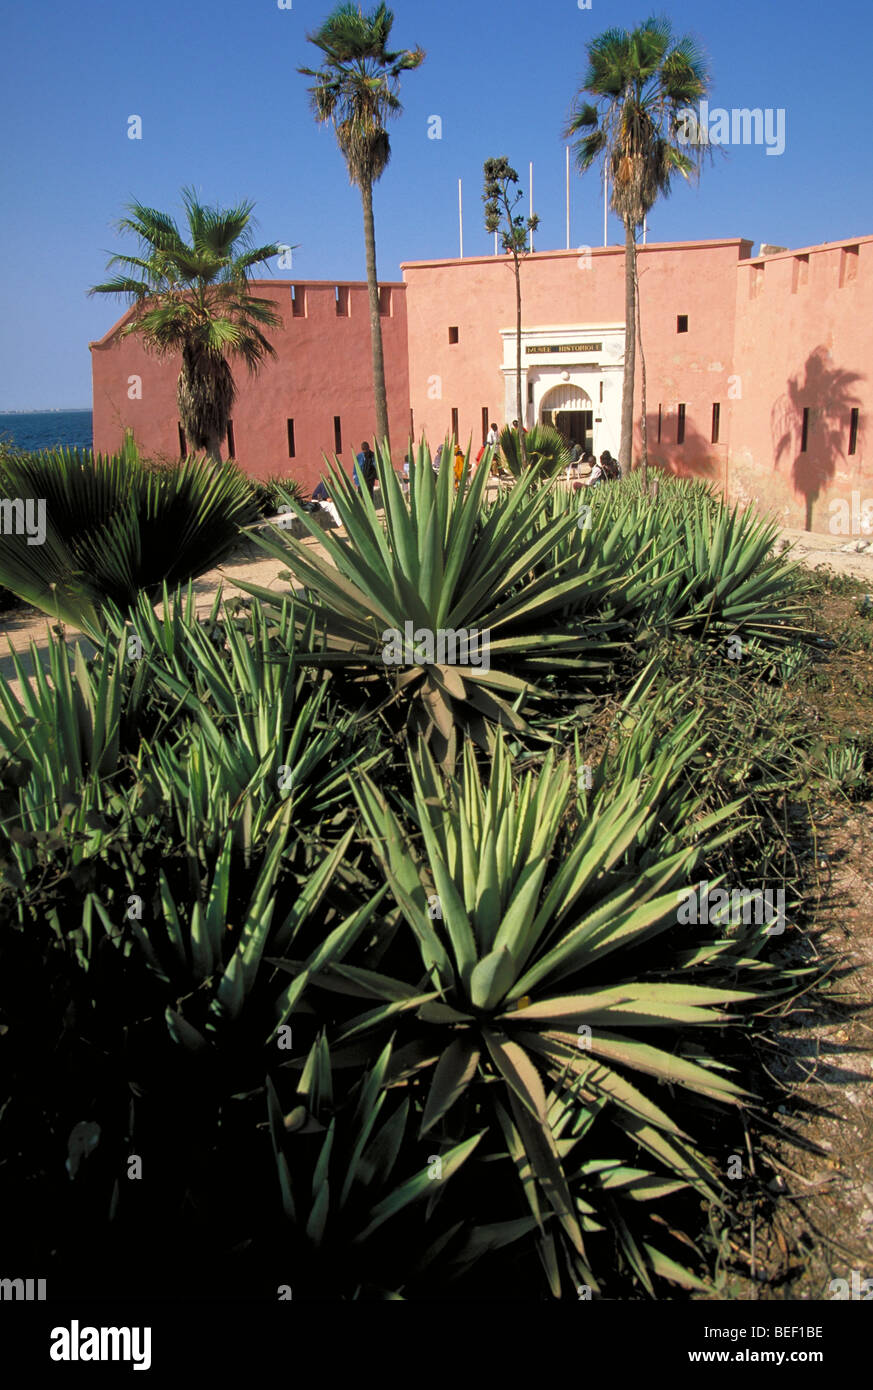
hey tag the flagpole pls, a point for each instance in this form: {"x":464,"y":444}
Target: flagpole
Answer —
{"x":568,"y":197}
{"x":531,"y":232}
{"x":460,"y":219}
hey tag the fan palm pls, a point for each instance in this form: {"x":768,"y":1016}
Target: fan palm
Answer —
{"x":116,"y":528}
{"x":194,"y":297}
{"x":642,"y":81}
{"x":356,"y":90}
{"x":543,"y":444}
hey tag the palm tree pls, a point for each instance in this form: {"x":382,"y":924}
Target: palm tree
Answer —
{"x":194,"y":297}
{"x":356,"y":90}
{"x":644,"y":82}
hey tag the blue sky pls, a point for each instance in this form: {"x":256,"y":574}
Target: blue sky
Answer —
{"x":223,"y":108}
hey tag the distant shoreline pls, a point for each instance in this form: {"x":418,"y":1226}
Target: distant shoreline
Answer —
{"x":51,"y":410}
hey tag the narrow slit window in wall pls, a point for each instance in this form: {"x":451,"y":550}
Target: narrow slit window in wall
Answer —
{"x":680,"y":425}
{"x":337,"y":435}
{"x":804,"y":433}
{"x":291,"y":448}
{"x":716,"y":421}
{"x":853,"y":432}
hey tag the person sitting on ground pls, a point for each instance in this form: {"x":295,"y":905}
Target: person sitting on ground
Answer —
{"x":597,"y":474}
{"x":606,"y":471}
{"x":320,"y":493}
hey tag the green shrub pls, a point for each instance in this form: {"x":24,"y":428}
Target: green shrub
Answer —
{"x":275,"y":493}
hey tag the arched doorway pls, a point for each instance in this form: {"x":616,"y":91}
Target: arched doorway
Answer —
{"x":569,"y":409}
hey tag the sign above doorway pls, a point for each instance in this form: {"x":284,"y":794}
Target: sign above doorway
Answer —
{"x":563,"y":347}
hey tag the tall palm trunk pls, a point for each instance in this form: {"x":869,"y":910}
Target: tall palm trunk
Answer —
{"x":213,"y":447}
{"x":626,"y":450}
{"x":375,"y":320}
{"x":519,"y":415}
{"x":204,"y":394}
{"x":644,"y":424}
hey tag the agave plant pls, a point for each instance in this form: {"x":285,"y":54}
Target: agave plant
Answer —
{"x":691,"y":564}
{"x":443,"y":570}
{"x":115,"y":528}
{"x":353,"y":1187}
{"x":549,"y":990}
{"x":251,"y":730}
{"x":61,"y":737}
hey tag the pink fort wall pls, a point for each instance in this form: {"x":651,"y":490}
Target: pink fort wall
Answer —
{"x":804,"y":340}
{"x":567,"y":288}
{"x":323,"y":369}
{"x":767,"y":338}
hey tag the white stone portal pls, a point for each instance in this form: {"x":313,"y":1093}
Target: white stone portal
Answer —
{"x":568,"y":368}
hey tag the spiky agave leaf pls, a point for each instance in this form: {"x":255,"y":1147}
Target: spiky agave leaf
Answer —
{"x":348,"y":1168}
{"x":525,"y":922}
{"x":691,"y":564}
{"x":439,"y":563}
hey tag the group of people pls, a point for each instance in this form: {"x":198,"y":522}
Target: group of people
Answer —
{"x":607,"y":470}
{"x":364,"y":472}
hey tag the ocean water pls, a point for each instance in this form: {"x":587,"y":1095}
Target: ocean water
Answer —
{"x":47,"y":429}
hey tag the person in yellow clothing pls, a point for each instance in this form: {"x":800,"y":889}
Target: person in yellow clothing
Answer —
{"x":459,"y":465}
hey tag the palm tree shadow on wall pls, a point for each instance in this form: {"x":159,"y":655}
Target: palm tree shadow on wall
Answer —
{"x":827,"y":392}
{"x":696,"y":457}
